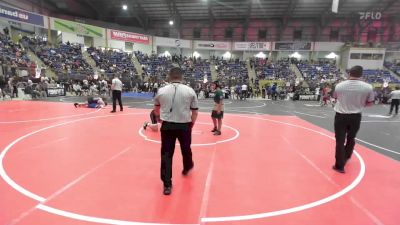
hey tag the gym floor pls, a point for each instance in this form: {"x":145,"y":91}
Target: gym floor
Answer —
{"x":272,"y":165}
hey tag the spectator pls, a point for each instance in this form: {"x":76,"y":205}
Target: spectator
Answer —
{"x":395,"y":96}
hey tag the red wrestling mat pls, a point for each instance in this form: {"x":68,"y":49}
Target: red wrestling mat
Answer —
{"x":61,"y":165}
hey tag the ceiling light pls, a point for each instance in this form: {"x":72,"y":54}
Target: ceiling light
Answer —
{"x":295,"y":55}
{"x":332,"y":55}
{"x":261,"y":55}
{"x":196,"y":54}
{"x":227,"y":55}
{"x":171,"y":22}
{"x":166,"y":54}
{"x":124,"y":7}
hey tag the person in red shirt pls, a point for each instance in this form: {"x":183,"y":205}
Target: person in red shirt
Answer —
{"x":325,"y":95}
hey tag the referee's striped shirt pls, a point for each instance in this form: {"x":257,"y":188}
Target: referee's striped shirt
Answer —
{"x":176,"y":102}
{"x":352,"y":96}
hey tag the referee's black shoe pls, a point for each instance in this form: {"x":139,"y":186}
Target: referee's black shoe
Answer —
{"x":167,"y":190}
{"x":112,"y":111}
{"x":185,"y":172}
{"x":337,"y":169}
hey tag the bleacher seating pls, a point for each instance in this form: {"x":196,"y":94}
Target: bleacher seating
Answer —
{"x":157,"y":67}
{"x":66,"y":60}
{"x":232,"y":70}
{"x":196,"y":69}
{"x":279,"y":70}
{"x":111,"y":61}
{"x":379,"y":76}
{"x":14,"y":55}
{"x":393,"y":67}
{"x":154,"y":66}
{"x":318,"y":70}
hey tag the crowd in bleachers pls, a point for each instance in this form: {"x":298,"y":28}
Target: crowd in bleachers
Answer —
{"x":154,"y":66}
{"x":232,"y":71}
{"x":312,"y":70}
{"x":279,"y":70}
{"x":112,"y":61}
{"x":66,"y":60}
{"x":79,"y":78}
{"x":13,"y":56}
{"x":196,"y":69}
{"x":379,"y":76}
{"x":395,"y":67}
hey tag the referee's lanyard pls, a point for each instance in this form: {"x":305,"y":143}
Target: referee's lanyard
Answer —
{"x":173,"y":99}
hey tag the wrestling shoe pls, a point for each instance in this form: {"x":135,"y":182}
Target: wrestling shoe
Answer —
{"x":76,"y":105}
{"x":145,"y":125}
{"x":217,"y":133}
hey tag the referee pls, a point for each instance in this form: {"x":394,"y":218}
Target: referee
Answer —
{"x":116,"y":88}
{"x":176,"y":104}
{"x":352,"y":96}
{"x":395,"y":96}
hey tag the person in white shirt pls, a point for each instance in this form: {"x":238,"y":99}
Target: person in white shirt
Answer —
{"x":395,"y":96}
{"x":352,"y":96}
{"x":176,"y":104}
{"x":244,"y":92}
{"x":116,"y":88}
{"x":232,"y":92}
{"x":77,"y":89}
{"x":155,"y":89}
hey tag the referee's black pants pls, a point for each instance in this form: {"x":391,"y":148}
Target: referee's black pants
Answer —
{"x":116,"y":95}
{"x":169,"y":133}
{"x":346,"y":128}
{"x":394,"y":104}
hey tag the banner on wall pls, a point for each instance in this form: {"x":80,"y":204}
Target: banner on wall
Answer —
{"x":171,"y":42}
{"x":129,"y":37}
{"x":22,"y":16}
{"x":212,"y":45}
{"x":77,"y":28}
{"x":292,"y":46}
{"x":251,"y":46}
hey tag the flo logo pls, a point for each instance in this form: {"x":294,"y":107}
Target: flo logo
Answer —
{"x":370,"y":15}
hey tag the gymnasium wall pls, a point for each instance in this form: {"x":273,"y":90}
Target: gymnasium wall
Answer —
{"x":72,"y":38}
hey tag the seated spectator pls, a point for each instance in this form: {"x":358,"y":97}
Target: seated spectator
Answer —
{"x":113,"y":61}
{"x":77,"y":89}
{"x":65,"y":60}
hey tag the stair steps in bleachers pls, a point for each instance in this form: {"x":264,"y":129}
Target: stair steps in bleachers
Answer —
{"x":89,"y":60}
{"x":33,"y":57}
{"x":214,"y":74}
{"x":298,"y":74}
{"x":392,"y":73}
{"x":137,"y":65}
{"x":251,"y":72}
